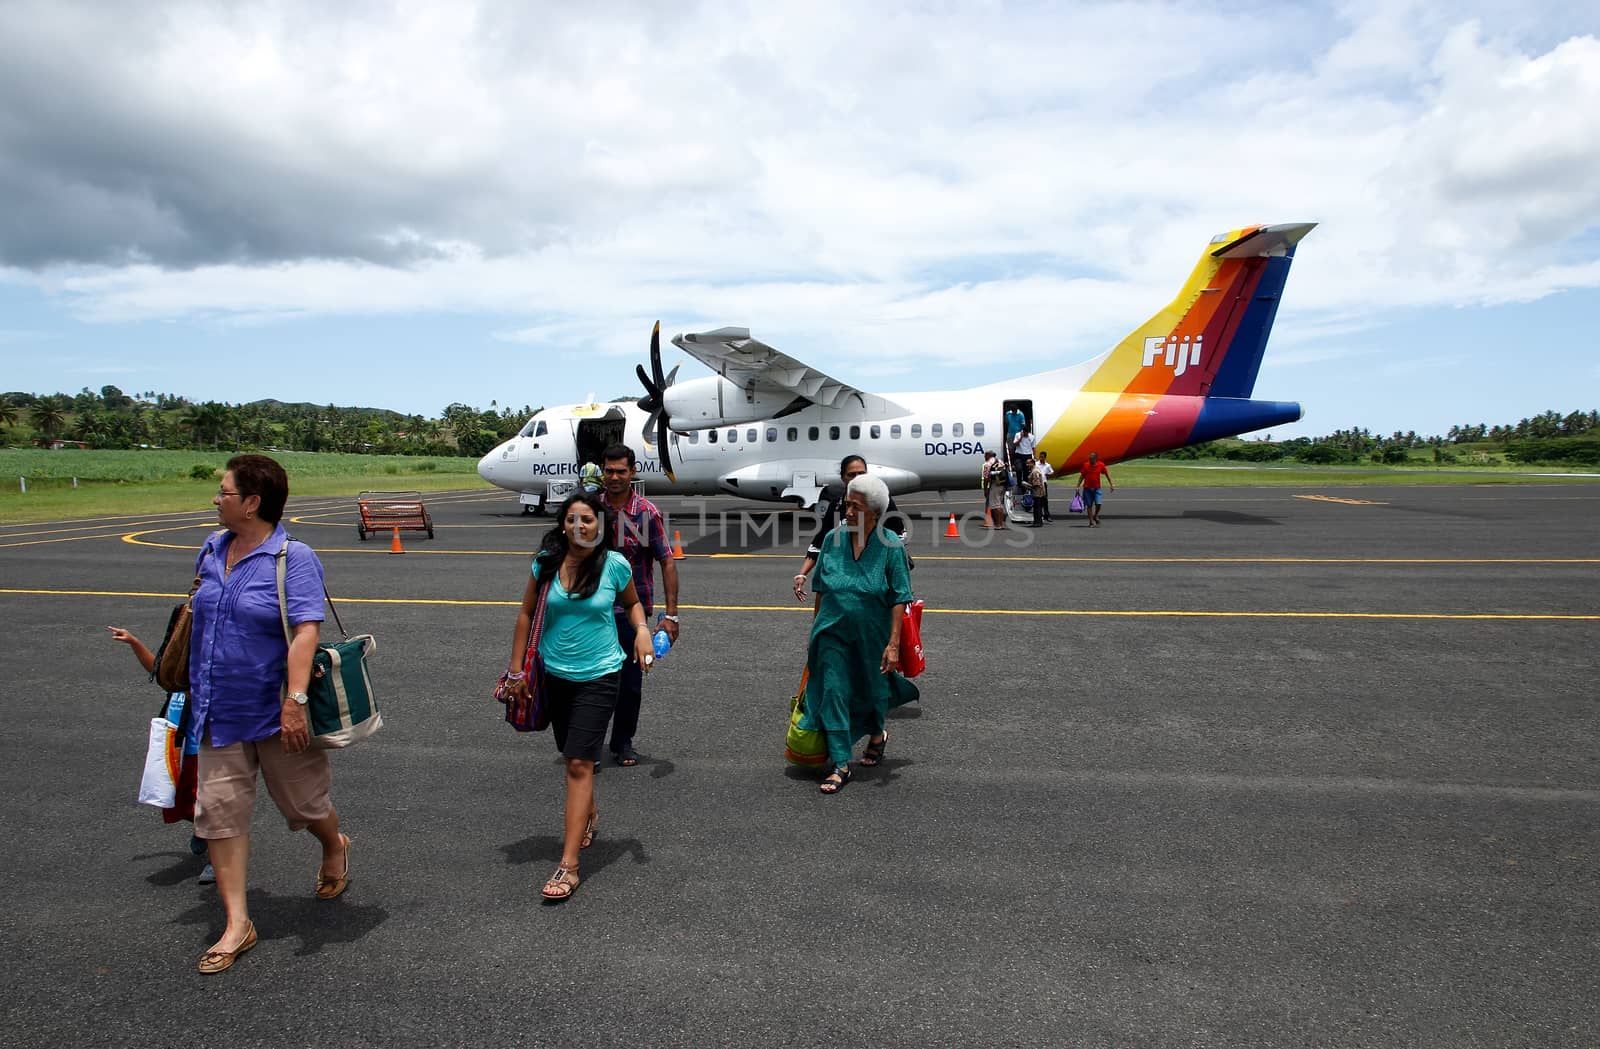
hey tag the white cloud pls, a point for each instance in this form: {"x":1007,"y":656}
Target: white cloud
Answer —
{"x":897,"y":181}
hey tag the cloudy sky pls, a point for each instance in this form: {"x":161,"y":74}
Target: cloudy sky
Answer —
{"x":407,"y":204}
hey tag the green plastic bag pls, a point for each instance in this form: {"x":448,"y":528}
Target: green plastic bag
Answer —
{"x":804,"y":747}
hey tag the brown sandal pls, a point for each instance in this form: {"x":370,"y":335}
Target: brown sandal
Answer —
{"x":563,"y":883}
{"x":329,"y":888}
{"x":588,"y":831}
{"x":215,"y":961}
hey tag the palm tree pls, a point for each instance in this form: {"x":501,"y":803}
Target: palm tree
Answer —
{"x":193,"y":419}
{"x":48,"y":417}
{"x":8,"y":413}
{"x":89,"y":427}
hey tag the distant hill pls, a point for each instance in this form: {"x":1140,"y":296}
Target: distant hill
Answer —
{"x":272,"y":404}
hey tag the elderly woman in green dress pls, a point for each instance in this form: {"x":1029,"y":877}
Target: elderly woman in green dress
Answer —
{"x":862,"y":586}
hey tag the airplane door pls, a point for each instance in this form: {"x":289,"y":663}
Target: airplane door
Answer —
{"x":593,"y":436}
{"x":1013,"y":412}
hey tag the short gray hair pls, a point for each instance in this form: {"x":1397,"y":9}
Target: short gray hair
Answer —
{"x":873,"y":490}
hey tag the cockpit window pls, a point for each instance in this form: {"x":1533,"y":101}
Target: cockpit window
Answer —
{"x":533,"y":428}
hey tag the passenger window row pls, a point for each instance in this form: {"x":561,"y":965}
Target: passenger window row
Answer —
{"x":791,"y":434}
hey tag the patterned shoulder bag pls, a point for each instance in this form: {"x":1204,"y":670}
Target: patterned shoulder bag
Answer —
{"x":529,"y":712}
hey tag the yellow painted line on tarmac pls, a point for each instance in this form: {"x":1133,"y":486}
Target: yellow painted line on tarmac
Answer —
{"x":1133,"y":613}
{"x":379,"y":546}
{"x":136,"y":539}
{"x":78,"y":539}
{"x":351,"y":517}
{"x":98,"y":524}
{"x":1346,"y":502}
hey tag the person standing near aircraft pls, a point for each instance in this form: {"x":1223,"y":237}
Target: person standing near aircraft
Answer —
{"x":1089,"y":486}
{"x":1036,"y":489}
{"x":1015,"y":421}
{"x":993,"y":483}
{"x":829,"y":507}
{"x":641,"y":537}
{"x":1022,"y":446}
{"x":1041,"y":498}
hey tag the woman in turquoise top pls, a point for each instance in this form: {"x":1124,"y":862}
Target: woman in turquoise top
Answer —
{"x":862,"y":586}
{"x":584,"y":578}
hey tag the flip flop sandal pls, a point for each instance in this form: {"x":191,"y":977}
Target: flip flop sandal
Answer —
{"x":562,"y":884}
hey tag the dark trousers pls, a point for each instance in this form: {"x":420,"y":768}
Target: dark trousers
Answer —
{"x":1038,"y":511}
{"x":630,"y":694}
{"x":1041,"y":505}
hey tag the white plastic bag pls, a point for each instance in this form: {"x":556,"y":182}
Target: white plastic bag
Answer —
{"x":159,"y":786}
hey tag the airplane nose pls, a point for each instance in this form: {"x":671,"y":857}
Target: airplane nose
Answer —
{"x":489,"y":465}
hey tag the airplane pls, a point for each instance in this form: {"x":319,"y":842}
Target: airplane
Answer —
{"x":769,"y":427}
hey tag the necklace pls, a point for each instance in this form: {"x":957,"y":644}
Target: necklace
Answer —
{"x":236,"y":553}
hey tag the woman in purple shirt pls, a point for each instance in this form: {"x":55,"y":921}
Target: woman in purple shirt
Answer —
{"x":248,"y":688}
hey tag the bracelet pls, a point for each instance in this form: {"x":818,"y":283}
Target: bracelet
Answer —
{"x":518,"y":676}
{"x":670,"y":619}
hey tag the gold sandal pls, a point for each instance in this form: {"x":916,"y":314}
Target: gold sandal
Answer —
{"x":563,"y":883}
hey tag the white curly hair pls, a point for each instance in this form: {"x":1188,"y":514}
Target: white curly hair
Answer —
{"x":873,"y":490}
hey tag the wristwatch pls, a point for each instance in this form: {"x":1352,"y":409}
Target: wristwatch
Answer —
{"x":300,"y":698}
{"x":670,"y":619}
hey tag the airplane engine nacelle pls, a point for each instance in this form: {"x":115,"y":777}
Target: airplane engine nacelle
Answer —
{"x":715,"y":401}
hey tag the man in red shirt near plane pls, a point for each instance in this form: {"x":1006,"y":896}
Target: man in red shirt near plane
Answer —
{"x":1089,"y":486}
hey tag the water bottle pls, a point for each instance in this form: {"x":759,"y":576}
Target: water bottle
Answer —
{"x":662,"y":641}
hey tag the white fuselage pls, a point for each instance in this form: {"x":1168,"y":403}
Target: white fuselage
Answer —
{"x":939,"y":443}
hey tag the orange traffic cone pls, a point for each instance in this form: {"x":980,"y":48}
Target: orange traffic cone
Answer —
{"x":951,"y":531}
{"x":677,"y":546}
{"x":394,"y":544}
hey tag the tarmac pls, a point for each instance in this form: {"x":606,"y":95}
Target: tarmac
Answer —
{"x":1242,"y":767}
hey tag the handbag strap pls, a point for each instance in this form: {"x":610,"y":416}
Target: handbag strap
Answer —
{"x":281,"y":570}
{"x":537,"y":629}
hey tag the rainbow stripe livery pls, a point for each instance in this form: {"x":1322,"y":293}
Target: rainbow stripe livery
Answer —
{"x":1186,"y":375}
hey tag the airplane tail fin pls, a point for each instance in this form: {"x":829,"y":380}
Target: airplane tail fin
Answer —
{"x":1208,"y":341}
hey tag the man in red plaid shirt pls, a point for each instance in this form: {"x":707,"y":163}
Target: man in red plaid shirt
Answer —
{"x":641,"y":537}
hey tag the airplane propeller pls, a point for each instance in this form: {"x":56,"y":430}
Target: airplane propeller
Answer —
{"x":654,"y":400}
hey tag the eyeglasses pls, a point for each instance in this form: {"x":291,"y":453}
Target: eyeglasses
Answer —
{"x":223,"y":493}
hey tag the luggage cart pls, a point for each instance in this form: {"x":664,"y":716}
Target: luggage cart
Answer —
{"x":383,"y":512}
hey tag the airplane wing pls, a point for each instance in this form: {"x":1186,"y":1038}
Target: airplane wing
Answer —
{"x":750,"y":363}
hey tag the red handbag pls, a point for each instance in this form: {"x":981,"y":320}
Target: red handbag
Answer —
{"x":531,"y":712}
{"x":912,"y":661}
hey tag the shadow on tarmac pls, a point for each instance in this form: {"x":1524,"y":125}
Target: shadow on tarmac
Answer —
{"x":318,"y":923}
{"x":546,"y":848}
{"x":186,"y":867}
